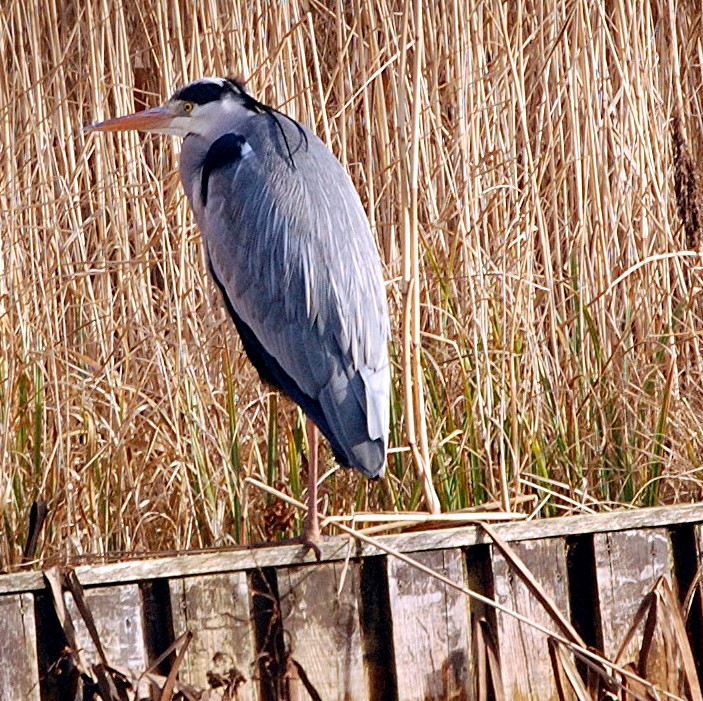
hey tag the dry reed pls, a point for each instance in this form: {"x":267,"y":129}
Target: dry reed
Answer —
{"x":553,"y":147}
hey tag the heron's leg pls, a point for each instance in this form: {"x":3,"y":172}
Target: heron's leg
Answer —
{"x":312,"y":523}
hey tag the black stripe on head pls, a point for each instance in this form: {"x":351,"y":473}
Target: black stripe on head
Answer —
{"x":207,"y":90}
{"x":226,"y":150}
{"x":237,"y":85}
{"x":203,"y":91}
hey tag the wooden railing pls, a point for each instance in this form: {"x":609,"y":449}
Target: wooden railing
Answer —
{"x":362,"y":623}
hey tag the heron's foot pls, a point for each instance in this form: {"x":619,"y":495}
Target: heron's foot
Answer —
{"x":311,"y":537}
{"x":307,"y":541}
{"x":311,"y":545}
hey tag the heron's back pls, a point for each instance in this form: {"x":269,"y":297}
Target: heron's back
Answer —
{"x":290,"y":248}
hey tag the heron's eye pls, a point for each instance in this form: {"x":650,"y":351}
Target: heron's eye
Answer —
{"x":188,"y":107}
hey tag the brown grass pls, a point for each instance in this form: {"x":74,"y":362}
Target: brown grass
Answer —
{"x":557,"y":204}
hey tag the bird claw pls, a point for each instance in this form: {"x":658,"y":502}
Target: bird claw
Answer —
{"x":311,"y":544}
{"x":310,"y":538}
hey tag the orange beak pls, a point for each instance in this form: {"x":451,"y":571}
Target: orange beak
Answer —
{"x":154,"y":119}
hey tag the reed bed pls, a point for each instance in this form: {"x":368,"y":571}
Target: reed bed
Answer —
{"x":543,"y":156}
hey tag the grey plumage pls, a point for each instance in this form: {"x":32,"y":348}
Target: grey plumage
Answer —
{"x":289,"y":245}
{"x":278,"y":238}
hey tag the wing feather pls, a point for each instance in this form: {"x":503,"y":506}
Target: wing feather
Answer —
{"x":294,"y":256}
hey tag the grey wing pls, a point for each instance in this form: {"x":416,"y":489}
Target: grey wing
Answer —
{"x":293,"y":254}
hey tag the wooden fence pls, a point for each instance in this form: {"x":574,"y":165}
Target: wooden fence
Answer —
{"x":361,"y":624}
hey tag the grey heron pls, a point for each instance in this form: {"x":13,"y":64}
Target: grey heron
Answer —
{"x":289,"y":246}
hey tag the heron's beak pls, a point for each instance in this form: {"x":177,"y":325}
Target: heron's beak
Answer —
{"x":156,"y":119}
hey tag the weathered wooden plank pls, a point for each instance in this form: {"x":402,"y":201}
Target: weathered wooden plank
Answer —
{"x":216,"y":608}
{"x":627,"y":566}
{"x":430,"y":628}
{"x":695,"y":617}
{"x":19,"y":675}
{"x":322,"y":630}
{"x":117,"y":612}
{"x":192,"y":564}
{"x":521,"y":647}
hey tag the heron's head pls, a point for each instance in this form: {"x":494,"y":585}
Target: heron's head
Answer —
{"x":201,"y":107}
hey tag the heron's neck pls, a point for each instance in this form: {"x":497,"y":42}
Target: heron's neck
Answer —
{"x":193,"y":152}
